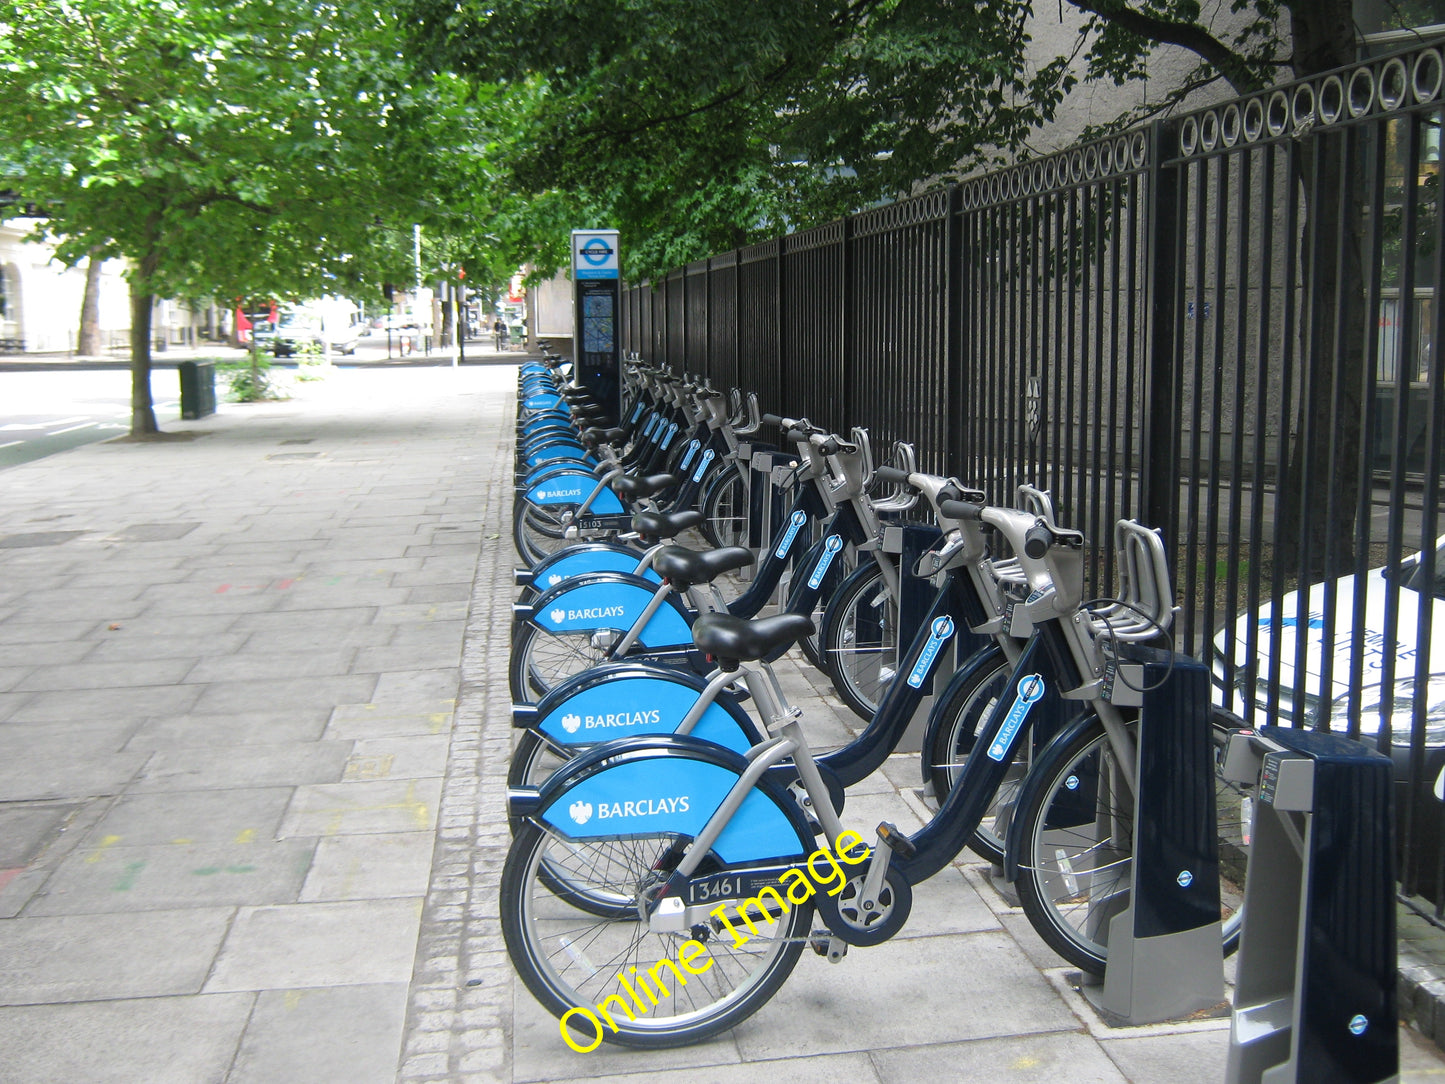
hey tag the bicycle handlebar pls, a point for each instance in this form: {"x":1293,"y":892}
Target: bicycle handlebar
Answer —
{"x":1037,"y":541}
{"x":891,"y":475}
{"x":961,"y":509}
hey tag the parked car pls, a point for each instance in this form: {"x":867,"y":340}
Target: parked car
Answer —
{"x":344,"y":340}
{"x":290,"y":332}
{"x":1408,"y":581}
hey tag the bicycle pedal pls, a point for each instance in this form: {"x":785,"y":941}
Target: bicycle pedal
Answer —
{"x":825,"y":944}
{"x":896,"y":841}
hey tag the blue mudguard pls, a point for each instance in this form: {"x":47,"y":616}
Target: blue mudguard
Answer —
{"x":573,"y":487}
{"x":584,"y":557}
{"x":559,"y":451}
{"x":548,"y":470}
{"x":610,"y":600}
{"x":624,"y":700}
{"x":647,"y":786}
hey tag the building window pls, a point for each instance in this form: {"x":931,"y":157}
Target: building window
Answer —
{"x":1387,"y":24}
{"x":9,"y":303}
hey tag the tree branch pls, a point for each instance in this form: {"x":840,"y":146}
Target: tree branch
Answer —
{"x":1191,"y":36}
{"x":655,"y":122}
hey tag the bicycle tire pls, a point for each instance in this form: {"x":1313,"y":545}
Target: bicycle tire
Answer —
{"x":537,"y":530}
{"x":725,"y":509}
{"x":952,"y":729}
{"x":552,"y":946}
{"x":533,"y":761}
{"x":860,"y":640}
{"x":541,"y":659}
{"x":1067,"y":866}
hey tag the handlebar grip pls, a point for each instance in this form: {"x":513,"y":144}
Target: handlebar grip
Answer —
{"x":1037,"y":541}
{"x":796,"y":435}
{"x":891,"y":475}
{"x":829,"y":446}
{"x":961,"y":509}
{"x":772,"y":419}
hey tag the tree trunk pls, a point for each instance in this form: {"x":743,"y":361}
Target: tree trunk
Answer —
{"x":88,"y":343}
{"x":1314,"y":509}
{"x":142,"y":410}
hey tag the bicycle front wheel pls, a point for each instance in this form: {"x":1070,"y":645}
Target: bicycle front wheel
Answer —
{"x":1076,"y":871}
{"x":724,"y":507}
{"x":860,"y":640}
{"x":572,"y":959}
{"x":952,"y":730}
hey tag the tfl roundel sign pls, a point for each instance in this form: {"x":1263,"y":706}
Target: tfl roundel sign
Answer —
{"x":594,"y":254}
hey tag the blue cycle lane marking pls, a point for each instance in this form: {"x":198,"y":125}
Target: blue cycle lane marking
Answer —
{"x":1031,"y":691}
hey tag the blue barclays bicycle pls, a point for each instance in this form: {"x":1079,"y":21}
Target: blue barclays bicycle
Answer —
{"x":587,"y":620}
{"x":576,"y":481}
{"x":628,"y":551}
{"x":631,"y":698}
{"x":665,"y":842}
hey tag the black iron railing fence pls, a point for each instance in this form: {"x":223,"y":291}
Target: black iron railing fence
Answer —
{"x":1223,"y":325}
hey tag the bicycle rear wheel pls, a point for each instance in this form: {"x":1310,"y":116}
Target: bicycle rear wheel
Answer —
{"x":571,"y":959}
{"x":537,"y":530}
{"x":1076,"y":871}
{"x":542,"y":660}
{"x":952,"y":730}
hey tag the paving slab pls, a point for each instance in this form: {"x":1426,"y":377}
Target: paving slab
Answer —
{"x":364,"y":867}
{"x":111,"y":704}
{"x":275,"y":663}
{"x":28,"y":829}
{"x":221,"y":765}
{"x":1043,"y":1059}
{"x":343,"y":943}
{"x":160,"y":1040}
{"x":262,"y":692}
{"x":74,"y":958}
{"x":826,"y":1008}
{"x":82,"y":773}
{"x":397,"y":758}
{"x":324,"y":1035}
{"x":230,"y":815}
{"x":386,"y":721}
{"x":277,"y":727}
{"x":122,"y":878}
{"x":362,"y":808}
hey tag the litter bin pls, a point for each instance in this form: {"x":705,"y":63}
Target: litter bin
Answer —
{"x":198,"y":388}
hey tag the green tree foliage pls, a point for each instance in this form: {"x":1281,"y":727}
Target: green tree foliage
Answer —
{"x":698,"y":125}
{"x":248,"y":149}
{"x":726,"y":122}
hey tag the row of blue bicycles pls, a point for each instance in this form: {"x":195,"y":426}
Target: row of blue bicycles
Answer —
{"x":677,"y":842}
